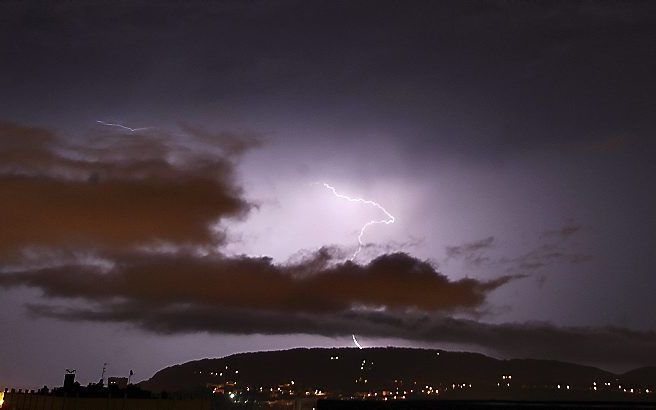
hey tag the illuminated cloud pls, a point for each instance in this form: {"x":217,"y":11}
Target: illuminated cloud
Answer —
{"x":118,"y":192}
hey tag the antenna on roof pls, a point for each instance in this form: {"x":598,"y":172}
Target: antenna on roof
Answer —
{"x":102,"y":377}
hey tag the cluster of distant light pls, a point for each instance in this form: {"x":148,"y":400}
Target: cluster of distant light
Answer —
{"x":401,"y":390}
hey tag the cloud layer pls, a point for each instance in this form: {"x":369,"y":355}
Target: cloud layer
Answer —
{"x":397,"y":282}
{"x":393,"y":296}
{"x":119,"y":191}
{"x":598,"y":345}
{"x":126,"y":220}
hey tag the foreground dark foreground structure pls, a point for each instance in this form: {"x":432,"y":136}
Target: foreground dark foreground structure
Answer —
{"x":36,"y":401}
{"x":474,"y":404}
{"x":346,"y":378}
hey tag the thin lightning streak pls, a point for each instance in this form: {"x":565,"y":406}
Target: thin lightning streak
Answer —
{"x":356,"y":342}
{"x":390,"y":218}
{"x":110,"y":124}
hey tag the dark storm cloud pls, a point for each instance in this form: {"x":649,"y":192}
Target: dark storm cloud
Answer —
{"x":476,"y":77}
{"x":160,"y":281}
{"x":394,"y":296}
{"x":595,"y":345}
{"x":119,"y":190}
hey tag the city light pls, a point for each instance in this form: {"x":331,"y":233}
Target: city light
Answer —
{"x":288,"y":390}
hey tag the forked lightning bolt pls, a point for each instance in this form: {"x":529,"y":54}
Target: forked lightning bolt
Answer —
{"x":390,"y":218}
{"x":111,"y":124}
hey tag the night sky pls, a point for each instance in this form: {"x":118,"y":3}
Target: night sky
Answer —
{"x":513,"y":142}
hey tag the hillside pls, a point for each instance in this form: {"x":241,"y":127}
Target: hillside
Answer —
{"x":342,"y":369}
{"x":643,"y":375}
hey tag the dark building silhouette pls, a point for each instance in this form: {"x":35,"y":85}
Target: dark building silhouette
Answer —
{"x":117,"y":382}
{"x":69,"y":379}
